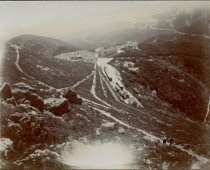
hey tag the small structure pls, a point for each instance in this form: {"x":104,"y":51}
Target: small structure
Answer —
{"x":130,"y":44}
{"x":164,"y":141}
{"x":88,"y":56}
{"x":133,"y":44}
{"x":84,"y":55}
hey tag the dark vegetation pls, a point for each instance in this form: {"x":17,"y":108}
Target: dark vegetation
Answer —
{"x":194,"y":23}
{"x":176,"y":67}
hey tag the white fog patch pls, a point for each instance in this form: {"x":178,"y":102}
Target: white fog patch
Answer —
{"x":201,"y":164}
{"x":98,"y":155}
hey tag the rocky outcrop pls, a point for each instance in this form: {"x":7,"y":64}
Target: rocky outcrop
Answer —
{"x":43,"y":159}
{"x":26,"y":125}
{"x":36,"y":101}
{"x":58,"y":106}
{"x":22,"y":95}
{"x":71,"y":96}
{"x":5,"y":91}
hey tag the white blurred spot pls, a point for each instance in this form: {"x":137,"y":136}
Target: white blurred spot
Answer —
{"x":98,"y":156}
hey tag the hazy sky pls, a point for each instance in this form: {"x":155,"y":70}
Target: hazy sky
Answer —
{"x":59,"y":19}
{"x":68,"y":18}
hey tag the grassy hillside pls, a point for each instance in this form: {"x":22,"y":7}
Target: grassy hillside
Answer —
{"x":176,"y":67}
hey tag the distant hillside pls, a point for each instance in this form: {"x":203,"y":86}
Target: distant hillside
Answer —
{"x":192,"y":22}
{"x":36,"y":59}
{"x":41,"y":45}
{"x":136,"y":34}
{"x":196,"y":22}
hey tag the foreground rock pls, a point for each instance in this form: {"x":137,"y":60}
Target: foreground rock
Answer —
{"x":58,"y":106}
{"x":71,"y":96}
{"x":5,"y":91}
{"x":22,"y":95}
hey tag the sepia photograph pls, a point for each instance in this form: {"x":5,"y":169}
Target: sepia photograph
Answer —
{"x":105,"y":85}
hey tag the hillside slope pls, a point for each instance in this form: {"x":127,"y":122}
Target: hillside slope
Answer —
{"x":43,"y":45}
{"x":51,"y":107}
{"x":176,"y":67}
{"x":37,"y":61}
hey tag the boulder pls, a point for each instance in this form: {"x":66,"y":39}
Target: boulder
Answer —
{"x":24,"y":86}
{"x":19,"y":94}
{"x":5,"y":91}
{"x":34,"y":99}
{"x":58,"y":106}
{"x":109,"y":126}
{"x":71,"y":96}
{"x":121,"y":130}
